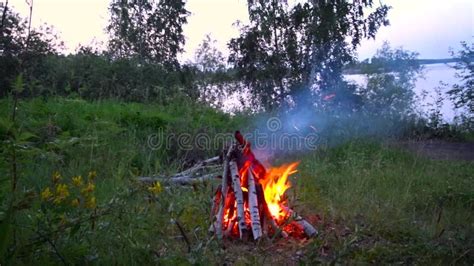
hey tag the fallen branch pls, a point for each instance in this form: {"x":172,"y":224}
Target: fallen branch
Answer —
{"x":178,"y":180}
{"x":189,"y":176}
{"x":201,"y":165}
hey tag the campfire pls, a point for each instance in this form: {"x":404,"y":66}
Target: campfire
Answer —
{"x":250,"y":202}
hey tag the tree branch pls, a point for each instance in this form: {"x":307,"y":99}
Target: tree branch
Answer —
{"x":4,"y":15}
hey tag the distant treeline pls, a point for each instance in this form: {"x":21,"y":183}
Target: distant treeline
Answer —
{"x":289,"y":56}
{"x":284,"y":50}
{"x":367,"y":67}
{"x":438,"y":61}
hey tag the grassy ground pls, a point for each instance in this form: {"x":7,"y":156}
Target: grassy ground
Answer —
{"x":371,"y":203}
{"x":380,"y":204}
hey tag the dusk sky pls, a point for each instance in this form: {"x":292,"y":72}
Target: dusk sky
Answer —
{"x":429,"y":27}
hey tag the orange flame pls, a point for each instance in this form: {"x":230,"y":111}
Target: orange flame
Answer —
{"x":275,"y":185}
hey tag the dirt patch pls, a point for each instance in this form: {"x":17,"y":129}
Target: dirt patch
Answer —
{"x":441,"y":150}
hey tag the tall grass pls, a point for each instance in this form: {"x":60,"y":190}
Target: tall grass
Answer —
{"x":74,"y":137}
{"x":397,"y":206}
{"x":377,"y":204}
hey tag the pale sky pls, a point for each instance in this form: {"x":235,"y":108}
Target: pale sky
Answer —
{"x":429,"y":27}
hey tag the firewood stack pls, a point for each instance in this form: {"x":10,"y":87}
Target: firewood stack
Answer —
{"x":239,"y":208}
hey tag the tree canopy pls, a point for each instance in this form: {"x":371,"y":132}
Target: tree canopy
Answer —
{"x":148,"y":29}
{"x":289,"y":51}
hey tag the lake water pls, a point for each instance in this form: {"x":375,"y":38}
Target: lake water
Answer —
{"x":432,"y":76}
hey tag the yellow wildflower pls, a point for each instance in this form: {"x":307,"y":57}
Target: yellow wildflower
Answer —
{"x":92,"y":175}
{"x":56,"y":176}
{"x":89,"y":188}
{"x":75,"y":202}
{"x":156,"y":188}
{"x":91,"y":203}
{"x":77,"y":181}
{"x":46,"y":194}
{"x":62,"y":192}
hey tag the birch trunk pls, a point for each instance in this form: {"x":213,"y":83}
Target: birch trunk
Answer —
{"x":179,"y":180}
{"x":225,"y":189}
{"x":253,"y":206}
{"x":238,"y":197}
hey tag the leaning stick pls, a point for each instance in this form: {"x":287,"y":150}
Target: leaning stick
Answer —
{"x":253,"y":207}
{"x":225,"y":189}
{"x":225,"y":176}
{"x":239,"y":197}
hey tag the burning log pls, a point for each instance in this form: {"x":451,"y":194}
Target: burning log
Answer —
{"x":308,"y":229}
{"x":247,"y":155}
{"x":253,"y":206}
{"x":224,"y":190}
{"x":238,"y":197}
{"x":230,"y":205}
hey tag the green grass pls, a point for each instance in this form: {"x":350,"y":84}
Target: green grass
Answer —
{"x":373,"y":203}
{"x":393,"y":206}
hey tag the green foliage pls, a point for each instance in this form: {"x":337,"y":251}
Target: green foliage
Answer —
{"x":18,"y":84}
{"x":391,"y":81}
{"x":287,"y":51}
{"x":462,"y":94}
{"x":149,"y":30}
{"x":207,"y":57}
{"x":212,"y":80}
{"x":25,"y":53}
{"x":74,"y":137}
{"x":6,"y":229}
{"x":93,"y":74}
{"x":63,"y":129}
